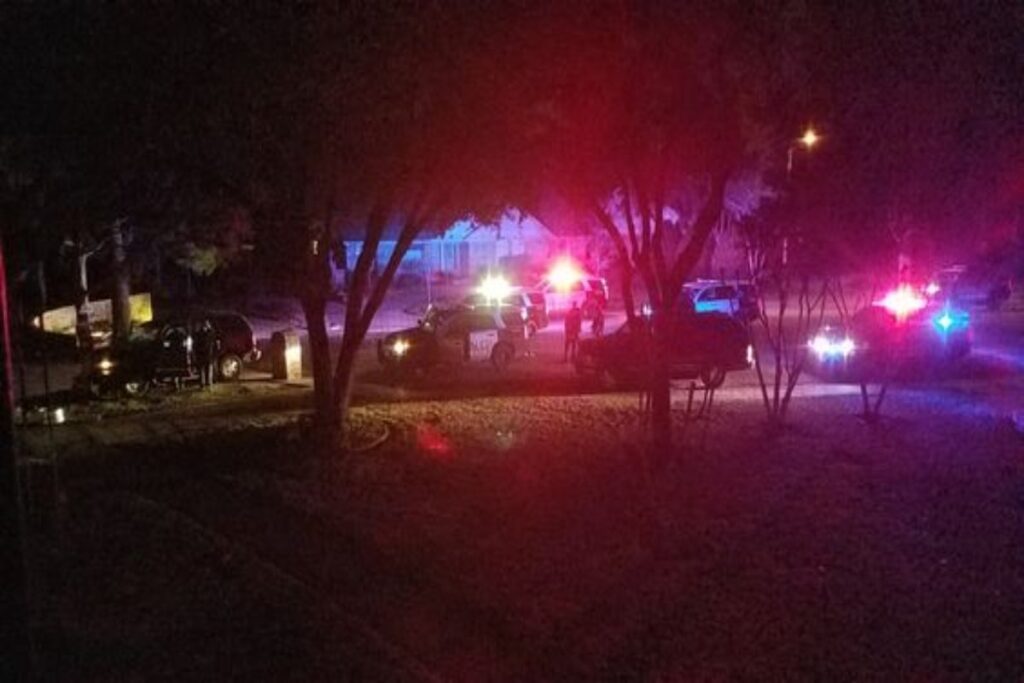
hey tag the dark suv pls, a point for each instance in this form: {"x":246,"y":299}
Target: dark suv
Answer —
{"x":236,"y":336}
{"x":706,"y":346}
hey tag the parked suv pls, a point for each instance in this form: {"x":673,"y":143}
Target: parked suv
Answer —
{"x":237,"y":340}
{"x":708,"y":347}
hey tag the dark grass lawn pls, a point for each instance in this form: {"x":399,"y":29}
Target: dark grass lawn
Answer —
{"x":523,"y":539}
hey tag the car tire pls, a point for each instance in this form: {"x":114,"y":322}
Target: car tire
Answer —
{"x":712,"y":376}
{"x":229,"y":367}
{"x":501,"y":356}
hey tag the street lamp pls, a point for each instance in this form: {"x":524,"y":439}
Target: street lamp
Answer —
{"x":808,"y":140}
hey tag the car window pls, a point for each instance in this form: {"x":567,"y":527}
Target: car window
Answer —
{"x":175,"y":334}
{"x":230,"y":326}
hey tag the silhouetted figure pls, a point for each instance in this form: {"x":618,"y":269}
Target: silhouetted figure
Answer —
{"x":205,"y":345}
{"x":573,"y":325}
{"x":597,"y":322}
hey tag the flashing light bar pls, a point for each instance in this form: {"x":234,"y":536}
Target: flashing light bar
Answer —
{"x":564,"y":274}
{"x":494,"y":288}
{"x":902,"y":302}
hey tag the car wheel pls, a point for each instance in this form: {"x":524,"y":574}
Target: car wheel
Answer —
{"x":136,"y":389}
{"x":501,"y":356}
{"x":712,"y":376}
{"x":229,"y":367}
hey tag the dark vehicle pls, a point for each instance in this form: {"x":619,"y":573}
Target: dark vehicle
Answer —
{"x":877,"y":341}
{"x":520,"y":308}
{"x":161,"y":352}
{"x":237,"y":342}
{"x":972,"y":287}
{"x":153,"y":354}
{"x":450,"y":337}
{"x":709,"y":346}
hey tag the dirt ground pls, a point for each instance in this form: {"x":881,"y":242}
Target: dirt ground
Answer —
{"x":525,"y":539}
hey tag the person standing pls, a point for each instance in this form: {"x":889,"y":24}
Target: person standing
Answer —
{"x":597,"y":322}
{"x":206,"y":343}
{"x":573,"y":325}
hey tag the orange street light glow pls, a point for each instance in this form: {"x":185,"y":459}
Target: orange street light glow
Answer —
{"x":810,"y":138}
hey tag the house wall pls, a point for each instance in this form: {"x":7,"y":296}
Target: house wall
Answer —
{"x":467,"y":249}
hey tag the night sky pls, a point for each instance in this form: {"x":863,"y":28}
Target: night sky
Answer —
{"x":921,"y":103}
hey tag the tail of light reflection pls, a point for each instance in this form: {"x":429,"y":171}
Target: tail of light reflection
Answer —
{"x":432,"y":443}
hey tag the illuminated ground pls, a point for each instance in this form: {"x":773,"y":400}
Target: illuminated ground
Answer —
{"x":519,"y":539}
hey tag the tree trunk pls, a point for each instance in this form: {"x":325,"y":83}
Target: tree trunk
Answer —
{"x":314,"y":307}
{"x":660,"y":387}
{"x":83,"y":327}
{"x":661,"y":411}
{"x":343,"y":383}
{"x":121,"y":305}
{"x":627,"y":290}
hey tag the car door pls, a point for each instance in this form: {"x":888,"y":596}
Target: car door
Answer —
{"x":175,"y":350}
{"x":482,"y":335}
{"x":451,"y":338}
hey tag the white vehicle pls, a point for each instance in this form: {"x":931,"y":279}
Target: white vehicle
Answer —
{"x":589,"y":292}
{"x":716,"y":296}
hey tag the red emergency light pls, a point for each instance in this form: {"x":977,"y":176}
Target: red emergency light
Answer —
{"x":564,"y":274}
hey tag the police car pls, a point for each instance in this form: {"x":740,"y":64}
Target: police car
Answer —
{"x":451,"y":336}
{"x":738,"y":299}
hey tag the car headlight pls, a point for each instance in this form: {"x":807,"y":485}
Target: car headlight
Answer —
{"x":750,"y":354}
{"x":400,"y":347}
{"x":832,"y":348}
{"x":105,"y":366}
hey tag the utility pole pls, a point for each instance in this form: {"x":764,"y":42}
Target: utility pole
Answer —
{"x":15,"y":649}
